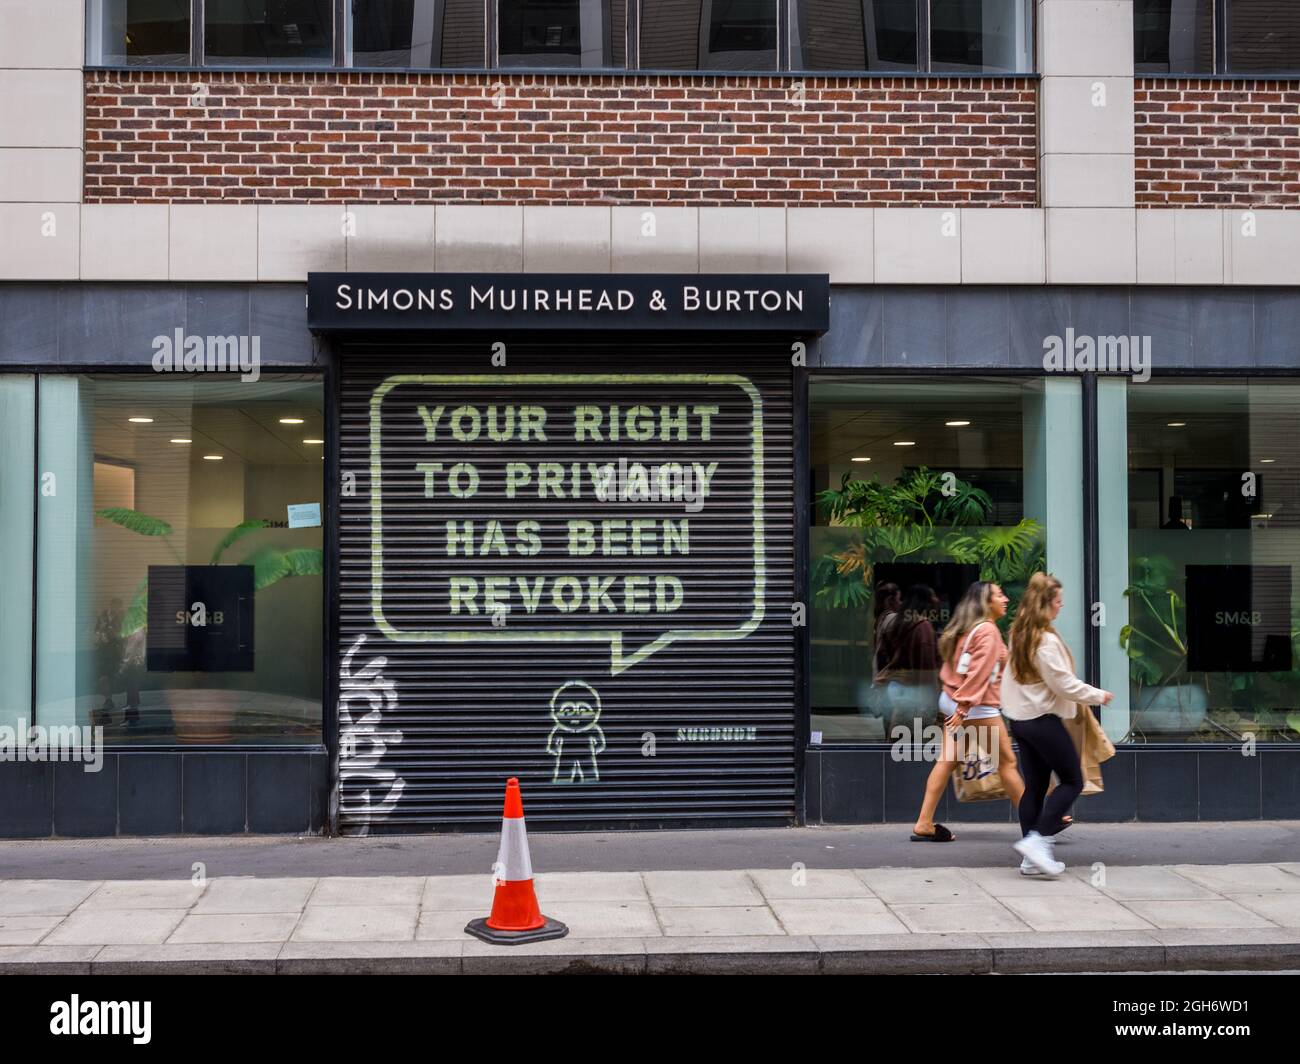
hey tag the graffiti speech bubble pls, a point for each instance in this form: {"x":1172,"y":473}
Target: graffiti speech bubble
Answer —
{"x":484,"y":487}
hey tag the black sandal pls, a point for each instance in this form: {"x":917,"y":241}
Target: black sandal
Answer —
{"x":941,"y":834}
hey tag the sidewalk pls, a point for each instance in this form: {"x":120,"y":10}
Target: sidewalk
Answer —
{"x":874,"y":920}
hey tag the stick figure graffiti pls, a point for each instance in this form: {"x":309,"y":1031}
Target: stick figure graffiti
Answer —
{"x":575,"y":708}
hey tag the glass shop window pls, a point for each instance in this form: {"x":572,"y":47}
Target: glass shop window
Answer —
{"x":1263,"y":36}
{"x":709,"y":35}
{"x":981,"y":35}
{"x":1173,"y":36}
{"x":268,"y":32}
{"x":138,"y":32}
{"x":589,"y":34}
{"x":419,"y":34}
{"x":854,"y":35}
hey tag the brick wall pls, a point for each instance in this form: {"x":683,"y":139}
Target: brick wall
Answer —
{"x":1217,"y":143}
{"x":536,"y":139}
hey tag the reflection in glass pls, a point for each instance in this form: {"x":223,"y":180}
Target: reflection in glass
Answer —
{"x":1213,"y":537}
{"x":1173,"y":36}
{"x":138,"y":32}
{"x":1263,"y":36}
{"x":980,"y":35}
{"x":854,"y":35}
{"x":910,"y":510}
{"x":17,"y":503}
{"x":176,"y":602}
{"x":708,"y":35}
{"x":418,"y":34}
{"x":562,"y":33}
{"x":256,"y":32}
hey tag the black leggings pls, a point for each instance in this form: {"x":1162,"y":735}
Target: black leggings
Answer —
{"x":1046,"y":747}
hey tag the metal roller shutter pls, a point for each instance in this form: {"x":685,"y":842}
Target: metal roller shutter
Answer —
{"x":630,"y":674}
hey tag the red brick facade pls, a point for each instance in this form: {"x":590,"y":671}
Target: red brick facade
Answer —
{"x":536,"y":139}
{"x":1217,"y":143}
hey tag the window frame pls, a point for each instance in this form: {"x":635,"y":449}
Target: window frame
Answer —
{"x":786,"y":11}
{"x":1221,"y":12}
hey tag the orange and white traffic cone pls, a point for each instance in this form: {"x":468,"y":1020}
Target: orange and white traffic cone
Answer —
{"x":516,"y":916}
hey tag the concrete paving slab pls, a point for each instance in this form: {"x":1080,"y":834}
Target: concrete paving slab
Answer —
{"x":26,"y":930}
{"x":116,"y":927}
{"x":243,"y":958}
{"x":918,"y":885}
{"x":47,"y":960}
{"x":356,"y":923}
{"x":809,"y":883}
{"x":1240,"y":878}
{"x":444,"y":925}
{"x":590,"y":886}
{"x":695,"y":889}
{"x":368,"y":890}
{"x":235,"y":928}
{"x":606,"y":919}
{"x":1144,"y":883}
{"x":1281,"y":908}
{"x":43,"y":897}
{"x":973,"y":916}
{"x":836,"y":916}
{"x":1009,"y":883}
{"x":458,"y":893}
{"x":711,"y":921}
{"x":145,"y":894}
{"x":1047,"y":913}
{"x":248,"y":895}
{"x":369,"y":958}
{"x":1201,"y":913}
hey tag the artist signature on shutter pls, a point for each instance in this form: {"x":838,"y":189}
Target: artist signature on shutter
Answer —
{"x":363,"y":741}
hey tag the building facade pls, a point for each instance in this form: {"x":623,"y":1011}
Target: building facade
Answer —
{"x":401,"y":395}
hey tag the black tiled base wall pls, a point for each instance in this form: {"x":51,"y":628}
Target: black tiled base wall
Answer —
{"x":167,"y":793}
{"x":869,"y":787}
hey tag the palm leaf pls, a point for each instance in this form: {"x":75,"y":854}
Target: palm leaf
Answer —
{"x":236,"y":533}
{"x":137,"y":614}
{"x":135,"y":521}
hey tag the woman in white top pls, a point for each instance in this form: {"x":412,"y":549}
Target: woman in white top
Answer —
{"x":1039,"y":690}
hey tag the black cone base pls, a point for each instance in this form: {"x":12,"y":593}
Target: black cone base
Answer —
{"x":550,"y":929}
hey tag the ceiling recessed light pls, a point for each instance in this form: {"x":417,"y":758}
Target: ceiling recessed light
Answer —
{"x":956,"y":424}
{"x":181,"y":439}
{"x":140,"y":420}
{"x":859,"y":459}
{"x":313,"y":441}
{"x":213,"y":457}
{"x":291,"y":421}
{"x":904,"y":443}
{"x":1176,"y":424}
{"x":1267,"y":461}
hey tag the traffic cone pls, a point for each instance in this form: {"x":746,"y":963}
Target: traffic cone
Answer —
{"x":515,"y":914}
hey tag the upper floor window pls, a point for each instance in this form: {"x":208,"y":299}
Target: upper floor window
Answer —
{"x":266,"y":32}
{"x":1216,"y":36}
{"x":842,"y":36}
{"x":138,"y":32}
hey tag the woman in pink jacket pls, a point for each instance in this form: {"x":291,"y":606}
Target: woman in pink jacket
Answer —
{"x":973,"y":656}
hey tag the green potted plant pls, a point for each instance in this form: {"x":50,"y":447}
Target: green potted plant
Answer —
{"x":1167,"y":698}
{"x":206,"y":715}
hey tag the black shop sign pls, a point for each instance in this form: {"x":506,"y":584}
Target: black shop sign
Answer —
{"x":797,"y":304}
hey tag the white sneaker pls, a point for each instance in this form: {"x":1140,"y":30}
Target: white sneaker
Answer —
{"x":1038,"y":852}
{"x":1027,"y":869}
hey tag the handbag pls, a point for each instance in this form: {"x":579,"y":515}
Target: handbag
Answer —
{"x":1094,"y":747}
{"x":976,"y":779}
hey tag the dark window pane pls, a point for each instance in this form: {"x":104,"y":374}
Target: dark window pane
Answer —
{"x":1173,"y":36}
{"x":255,"y":32}
{"x":977,"y":35}
{"x":708,"y":35}
{"x":418,"y":33}
{"x":1263,"y":36}
{"x":138,"y":32}
{"x":562,"y":33}
{"x":854,"y":35}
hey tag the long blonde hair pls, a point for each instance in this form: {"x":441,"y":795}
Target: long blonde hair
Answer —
{"x":973,"y":609}
{"x":1033,"y":618}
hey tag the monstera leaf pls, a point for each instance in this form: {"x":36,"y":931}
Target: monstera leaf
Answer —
{"x":236,"y":533}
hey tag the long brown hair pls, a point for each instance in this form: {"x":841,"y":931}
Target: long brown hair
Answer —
{"x":1033,"y":618}
{"x":973,"y":609}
